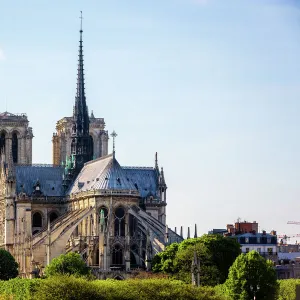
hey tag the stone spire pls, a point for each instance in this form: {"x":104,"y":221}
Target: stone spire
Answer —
{"x":81,"y":147}
{"x":80,"y":112}
{"x":195,"y":234}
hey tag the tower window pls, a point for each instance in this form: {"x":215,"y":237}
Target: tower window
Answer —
{"x":15,"y":147}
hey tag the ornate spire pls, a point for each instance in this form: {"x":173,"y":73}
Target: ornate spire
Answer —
{"x":81,"y":147}
{"x":80,"y":112}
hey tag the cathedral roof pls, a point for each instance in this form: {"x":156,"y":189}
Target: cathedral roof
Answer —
{"x":145,"y":179}
{"x":50,"y":179}
{"x":104,"y":173}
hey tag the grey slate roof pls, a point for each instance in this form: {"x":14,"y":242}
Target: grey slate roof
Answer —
{"x":49,"y":177}
{"x":145,"y":179}
{"x":103,"y":173}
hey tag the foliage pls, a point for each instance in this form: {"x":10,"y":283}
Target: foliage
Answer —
{"x":70,"y":287}
{"x":21,"y":289}
{"x":216,"y":253}
{"x":252,"y":275}
{"x":164,"y":261}
{"x":67,"y":264}
{"x":8,"y":266}
{"x":287,"y":289}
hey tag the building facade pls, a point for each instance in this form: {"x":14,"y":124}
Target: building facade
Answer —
{"x":114,"y":216}
{"x":265,"y":244}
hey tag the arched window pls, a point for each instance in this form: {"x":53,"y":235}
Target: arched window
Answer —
{"x":53,"y":215}
{"x":133,"y":225}
{"x":37,"y":220}
{"x":117,"y":255}
{"x":134,"y":253}
{"x":2,"y":142}
{"x":120,"y":222}
{"x":14,"y":147}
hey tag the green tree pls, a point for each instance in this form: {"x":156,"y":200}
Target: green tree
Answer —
{"x":8,"y":266}
{"x":216,"y":253}
{"x":69,"y":264}
{"x":252,"y":275}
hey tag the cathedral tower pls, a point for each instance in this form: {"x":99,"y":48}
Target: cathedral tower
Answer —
{"x":16,"y":137}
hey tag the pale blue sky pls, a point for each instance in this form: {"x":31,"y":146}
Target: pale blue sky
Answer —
{"x":212,"y":85}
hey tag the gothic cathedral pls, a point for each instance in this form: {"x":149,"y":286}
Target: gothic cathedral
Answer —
{"x":85,"y":202}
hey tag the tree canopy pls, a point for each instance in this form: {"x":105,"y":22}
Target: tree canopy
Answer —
{"x":68,"y":264}
{"x":252,"y":275}
{"x":8,"y":266}
{"x":216,"y":254}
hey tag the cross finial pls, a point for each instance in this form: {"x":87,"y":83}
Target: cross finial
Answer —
{"x":81,"y":20}
{"x":114,"y":135}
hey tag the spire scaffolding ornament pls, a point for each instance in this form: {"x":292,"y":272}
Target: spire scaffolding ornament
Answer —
{"x":114,"y":135}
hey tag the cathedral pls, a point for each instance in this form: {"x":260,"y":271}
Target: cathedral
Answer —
{"x":112,"y":215}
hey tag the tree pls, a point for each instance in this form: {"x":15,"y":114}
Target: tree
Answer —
{"x":216,"y":253}
{"x":8,"y":266}
{"x":252,"y":275}
{"x":69,"y":264}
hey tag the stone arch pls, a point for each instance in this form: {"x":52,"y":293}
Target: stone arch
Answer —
{"x":119,"y":228}
{"x":63,"y":233}
{"x":53,"y":215}
{"x":37,"y":220}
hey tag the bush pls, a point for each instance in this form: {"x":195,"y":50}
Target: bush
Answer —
{"x":20,"y":289}
{"x":8,"y":266}
{"x":67,"y":264}
{"x":287,"y":289}
{"x":72,"y":288}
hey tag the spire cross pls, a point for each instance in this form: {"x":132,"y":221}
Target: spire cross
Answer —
{"x":114,"y":135}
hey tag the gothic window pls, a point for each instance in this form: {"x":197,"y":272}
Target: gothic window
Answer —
{"x":119,"y":222}
{"x":117,"y":255}
{"x":37,"y":220}
{"x":2,"y":141}
{"x":15,"y":147}
{"x":134,"y":252}
{"x":53,"y":215}
{"x":132,"y":225}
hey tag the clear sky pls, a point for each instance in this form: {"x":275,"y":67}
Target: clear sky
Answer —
{"x":212,"y":85}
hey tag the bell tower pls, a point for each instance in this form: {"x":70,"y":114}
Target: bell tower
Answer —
{"x":16,"y":137}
